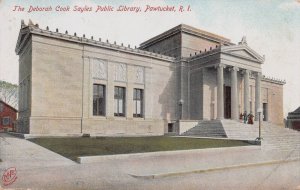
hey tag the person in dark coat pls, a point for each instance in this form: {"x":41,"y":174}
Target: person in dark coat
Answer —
{"x":250,"y":118}
{"x":245,"y":117}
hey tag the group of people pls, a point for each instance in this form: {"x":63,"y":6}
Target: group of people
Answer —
{"x":247,"y":118}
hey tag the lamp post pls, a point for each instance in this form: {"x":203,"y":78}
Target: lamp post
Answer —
{"x":180,"y":102}
{"x":259,"y":111}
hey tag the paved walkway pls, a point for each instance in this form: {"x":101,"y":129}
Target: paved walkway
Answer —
{"x":38,"y":167}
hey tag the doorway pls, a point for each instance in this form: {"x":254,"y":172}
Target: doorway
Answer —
{"x":227,"y":102}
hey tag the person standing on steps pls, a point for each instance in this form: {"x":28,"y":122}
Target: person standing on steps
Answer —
{"x":245,"y":117}
{"x":250,"y":118}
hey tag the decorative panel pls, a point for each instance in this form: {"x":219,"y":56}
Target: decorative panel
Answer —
{"x":99,"y":69}
{"x":120,"y":72}
{"x":139,"y":74}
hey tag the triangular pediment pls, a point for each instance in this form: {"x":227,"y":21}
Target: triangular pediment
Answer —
{"x":243,"y":51}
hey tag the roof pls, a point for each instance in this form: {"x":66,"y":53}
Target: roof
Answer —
{"x":297,"y":110}
{"x":187,"y":29}
{"x":295,"y":114}
{"x":27,"y":30}
{"x":9,"y":106}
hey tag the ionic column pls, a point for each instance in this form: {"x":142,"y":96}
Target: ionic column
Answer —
{"x":246,"y":91}
{"x":234,"y":94}
{"x":257,"y":94}
{"x":220,"y":91}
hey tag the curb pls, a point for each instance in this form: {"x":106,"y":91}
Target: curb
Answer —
{"x":103,"y":158}
{"x":59,"y":135}
{"x":163,"y":175}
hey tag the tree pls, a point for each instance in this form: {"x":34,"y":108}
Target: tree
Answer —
{"x":9,"y":93}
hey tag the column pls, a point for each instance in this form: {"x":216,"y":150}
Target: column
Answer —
{"x":220,"y":91}
{"x":257,"y":94}
{"x":234,"y":95}
{"x":246,"y":91}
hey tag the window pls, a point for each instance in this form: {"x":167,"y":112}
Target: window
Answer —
{"x":98,"y":99}
{"x":137,"y":102}
{"x":119,"y":101}
{"x":1,"y":107}
{"x":5,"y":121}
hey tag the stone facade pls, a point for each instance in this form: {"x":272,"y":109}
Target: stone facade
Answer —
{"x":58,"y":72}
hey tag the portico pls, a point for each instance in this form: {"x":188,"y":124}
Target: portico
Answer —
{"x":236,"y":69}
{"x":234,"y":91}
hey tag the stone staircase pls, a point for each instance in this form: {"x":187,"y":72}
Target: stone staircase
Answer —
{"x":207,"y":129}
{"x":274,"y":136}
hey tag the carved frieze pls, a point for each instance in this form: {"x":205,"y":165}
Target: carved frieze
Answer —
{"x":120,"y":72}
{"x":99,"y":69}
{"x":139,"y":74}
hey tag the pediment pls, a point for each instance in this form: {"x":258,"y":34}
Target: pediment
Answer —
{"x":243,"y":51}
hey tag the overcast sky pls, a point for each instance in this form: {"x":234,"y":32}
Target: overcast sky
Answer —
{"x":272,"y":28}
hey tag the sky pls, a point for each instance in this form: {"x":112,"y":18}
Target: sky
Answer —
{"x":272,"y":28}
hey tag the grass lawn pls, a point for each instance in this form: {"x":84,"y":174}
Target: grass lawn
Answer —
{"x":74,"y":147}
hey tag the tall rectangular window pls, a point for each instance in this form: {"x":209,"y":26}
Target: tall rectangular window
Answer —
{"x":137,"y":102}
{"x":119,"y":104}
{"x":98,"y":99}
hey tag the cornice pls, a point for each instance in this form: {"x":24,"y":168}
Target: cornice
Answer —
{"x":35,"y":30}
{"x":182,"y":28}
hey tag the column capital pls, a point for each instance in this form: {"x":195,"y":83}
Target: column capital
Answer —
{"x":220,"y":65}
{"x":258,"y":74}
{"x":234,"y":68}
{"x":246,"y":71}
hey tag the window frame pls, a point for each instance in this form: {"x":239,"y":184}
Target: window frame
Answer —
{"x":135,"y":102}
{"x":117,"y":98}
{"x":99,"y":111}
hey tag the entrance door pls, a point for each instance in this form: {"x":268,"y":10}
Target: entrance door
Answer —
{"x":227,"y":102}
{"x":265,"y":112}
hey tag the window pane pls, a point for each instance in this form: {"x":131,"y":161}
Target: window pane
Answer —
{"x":116,"y":106}
{"x":138,"y":109}
{"x":116,"y":92}
{"x":101,"y":91}
{"x":101,"y":106}
{"x":134,"y":107}
{"x":94,"y":107}
{"x":120,"y":106}
{"x":121,"y":93}
{"x":95,"y":91}
{"x":138,"y":94}
{"x":134,"y":94}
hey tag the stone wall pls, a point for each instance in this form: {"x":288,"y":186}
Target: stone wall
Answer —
{"x":192,"y":44}
{"x":62,"y":90}
{"x":25,"y":75}
{"x":168,"y":46}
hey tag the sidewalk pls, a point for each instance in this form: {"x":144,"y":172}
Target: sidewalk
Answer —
{"x":37,"y":166}
{"x":21,"y":153}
